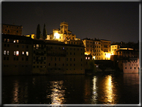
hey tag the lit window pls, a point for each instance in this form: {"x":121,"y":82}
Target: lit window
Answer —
{"x":17,"y":53}
{"x":7,"y":40}
{"x":17,"y":41}
{"x":22,"y":52}
{"x":27,"y":53}
{"x":37,"y":46}
{"x":14,"y":41}
{"x":14,"y":52}
{"x":88,"y":57}
{"x":7,"y":52}
{"x":4,"y":40}
{"x":63,"y":48}
{"x":4,"y":52}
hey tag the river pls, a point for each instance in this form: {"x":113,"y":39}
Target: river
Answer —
{"x":71,"y":89}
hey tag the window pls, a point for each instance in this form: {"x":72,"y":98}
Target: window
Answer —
{"x":85,"y":57}
{"x":27,"y":53}
{"x":4,"y":40}
{"x":88,"y":57}
{"x":7,"y":52}
{"x":14,"y":41}
{"x":16,"y":53}
{"x":37,"y":46}
{"x":7,"y":40}
{"x":125,"y":67}
{"x":22,"y":52}
{"x":130,"y":67}
{"x":17,"y":41}
{"x":134,"y":67}
{"x":4,"y":52}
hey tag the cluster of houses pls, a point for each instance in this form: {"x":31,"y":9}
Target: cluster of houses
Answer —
{"x":60,"y":53}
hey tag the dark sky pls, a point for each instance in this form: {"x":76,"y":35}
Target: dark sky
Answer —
{"x":111,"y":21}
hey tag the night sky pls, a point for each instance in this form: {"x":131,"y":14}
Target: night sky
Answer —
{"x":111,"y":21}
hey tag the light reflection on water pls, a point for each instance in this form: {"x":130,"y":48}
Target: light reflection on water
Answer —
{"x":71,"y":89}
{"x":94,"y":94}
{"x":57,"y":95}
{"x":16,"y":92}
{"x":108,"y":90}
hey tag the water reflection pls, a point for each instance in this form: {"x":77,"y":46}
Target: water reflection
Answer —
{"x":108,"y":89}
{"x":15,"y":92}
{"x":94,"y":96}
{"x":57,"y":95}
{"x":72,"y":89}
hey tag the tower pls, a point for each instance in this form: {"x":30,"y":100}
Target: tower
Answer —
{"x":64,"y":27}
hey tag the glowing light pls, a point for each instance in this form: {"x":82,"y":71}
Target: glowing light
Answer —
{"x":4,"y":52}
{"x":22,"y":52}
{"x":109,"y":91}
{"x":56,"y":36}
{"x":86,"y":53}
{"x":17,"y":53}
{"x":27,"y":53}
{"x":14,"y":41}
{"x":93,"y":57}
{"x":108,"y":55}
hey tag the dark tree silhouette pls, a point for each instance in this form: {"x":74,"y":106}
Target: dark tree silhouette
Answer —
{"x":44,"y":32}
{"x":38,"y":32}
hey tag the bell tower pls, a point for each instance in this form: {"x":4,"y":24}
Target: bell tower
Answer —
{"x":64,"y":27}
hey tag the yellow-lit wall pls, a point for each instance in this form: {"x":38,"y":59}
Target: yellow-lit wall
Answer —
{"x":96,"y":48}
{"x":114,"y":48}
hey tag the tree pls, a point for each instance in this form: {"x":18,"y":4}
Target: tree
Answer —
{"x":38,"y":32}
{"x":44,"y":32}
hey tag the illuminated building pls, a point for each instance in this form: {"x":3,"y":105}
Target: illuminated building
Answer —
{"x":33,"y":36}
{"x":114,"y":48}
{"x":11,"y":29}
{"x":16,"y":55}
{"x":99,"y":49}
{"x":62,"y":34}
{"x":105,"y":48}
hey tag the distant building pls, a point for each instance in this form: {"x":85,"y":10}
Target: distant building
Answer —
{"x":131,"y":66}
{"x":11,"y":29}
{"x":114,"y":48}
{"x":24,"y":56}
{"x":53,"y":57}
{"x":99,"y":49}
{"x":62,"y":34}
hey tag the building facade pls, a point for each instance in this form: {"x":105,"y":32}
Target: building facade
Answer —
{"x":11,"y":29}
{"x":16,"y":55}
{"x":131,"y":66}
{"x":62,"y":34}
{"x":99,"y":49}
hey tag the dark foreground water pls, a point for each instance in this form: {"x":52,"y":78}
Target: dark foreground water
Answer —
{"x":71,"y":89}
